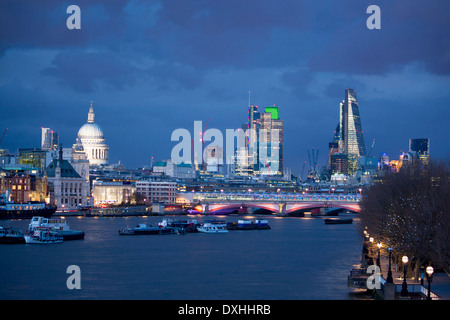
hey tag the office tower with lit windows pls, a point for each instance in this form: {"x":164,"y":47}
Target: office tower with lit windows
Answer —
{"x":49,"y":139}
{"x":349,"y":133}
{"x":338,"y":164}
{"x":271,"y":128}
{"x":254,"y":124}
{"x":421,"y":147}
{"x":333,"y":148}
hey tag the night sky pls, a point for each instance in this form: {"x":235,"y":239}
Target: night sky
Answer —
{"x":151,"y":67}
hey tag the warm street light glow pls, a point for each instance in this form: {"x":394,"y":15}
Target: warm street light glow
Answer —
{"x":379,"y":245}
{"x":405,"y":259}
{"x":430,"y":270}
{"x":371,"y":239}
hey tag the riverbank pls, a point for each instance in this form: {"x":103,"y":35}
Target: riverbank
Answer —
{"x":361,"y":275}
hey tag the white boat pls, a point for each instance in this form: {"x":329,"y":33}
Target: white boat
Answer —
{"x":188,"y":225}
{"x":43,"y":236}
{"x":209,"y":227}
{"x":59,"y":225}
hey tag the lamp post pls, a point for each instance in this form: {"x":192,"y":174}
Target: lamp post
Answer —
{"x":430,"y":271}
{"x":404,"y":291}
{"x":389,"y":278}
{"x":371,"y":261}
{"x":378,"y":259}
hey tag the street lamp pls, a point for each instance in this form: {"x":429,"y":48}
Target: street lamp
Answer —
{"x":371,"y":251}
{"x":378,"y":259}
{"x":389,"y":278}
{"x":404,"y":291}
{"x":429,"y":271}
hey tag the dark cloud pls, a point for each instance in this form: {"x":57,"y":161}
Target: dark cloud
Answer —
{"x":329,"y":36}
{"x":411,"y":31}
{"x":86,"y":72}
{"x":298,"y":81}
{"x":154,"y":65}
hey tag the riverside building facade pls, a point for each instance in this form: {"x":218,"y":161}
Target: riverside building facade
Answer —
{"x":157,"y":191}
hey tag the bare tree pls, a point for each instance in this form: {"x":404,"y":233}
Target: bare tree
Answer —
{"x":410,"y":211}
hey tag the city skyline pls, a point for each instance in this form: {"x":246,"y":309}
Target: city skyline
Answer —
{"x":153,"y":67}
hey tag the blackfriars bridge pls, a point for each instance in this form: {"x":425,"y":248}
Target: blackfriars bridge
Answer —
{"x":280,"y":204}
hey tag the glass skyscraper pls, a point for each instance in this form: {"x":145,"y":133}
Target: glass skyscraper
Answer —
{"x":262,"y":155}
{"x":273,"y":128}
{"x":349,"y":133}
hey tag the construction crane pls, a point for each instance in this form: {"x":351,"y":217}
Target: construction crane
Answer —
{"x":3,"y":135}
{"x":371,"y":148}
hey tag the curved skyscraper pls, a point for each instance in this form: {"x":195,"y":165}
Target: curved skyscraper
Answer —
{"x":349,"y":132}
{"x":352,"y":129}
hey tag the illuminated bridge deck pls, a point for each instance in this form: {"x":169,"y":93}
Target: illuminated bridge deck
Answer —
{"x":278,"y":203}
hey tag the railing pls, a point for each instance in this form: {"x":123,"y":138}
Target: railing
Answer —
{"x":417,"y":288}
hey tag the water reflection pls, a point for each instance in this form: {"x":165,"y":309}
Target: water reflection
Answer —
{"x":299,"y":258}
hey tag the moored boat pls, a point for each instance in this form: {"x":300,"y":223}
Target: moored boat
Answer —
{"x":213,"y":227}
{"x":43,"y":236}
{"x":188,"y":225}
{"x":338,"y":221}
{"x":140,"y":229}
{"x":59,"y":225}
{"x":11,"y":236}
{"x":147,"y":229}
{"x":171,"y":230}
{"x":11,"y":210}
{"x":258,"y":224}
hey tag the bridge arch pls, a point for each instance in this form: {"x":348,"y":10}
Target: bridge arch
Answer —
{"x":273,"y":207}
{"x":291,"y":207}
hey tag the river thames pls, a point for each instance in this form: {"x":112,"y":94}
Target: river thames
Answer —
{"x":299,"y":258}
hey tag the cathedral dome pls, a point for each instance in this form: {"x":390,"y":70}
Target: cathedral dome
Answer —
{"x":90,"y":131}
{"x":91,"y":141}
